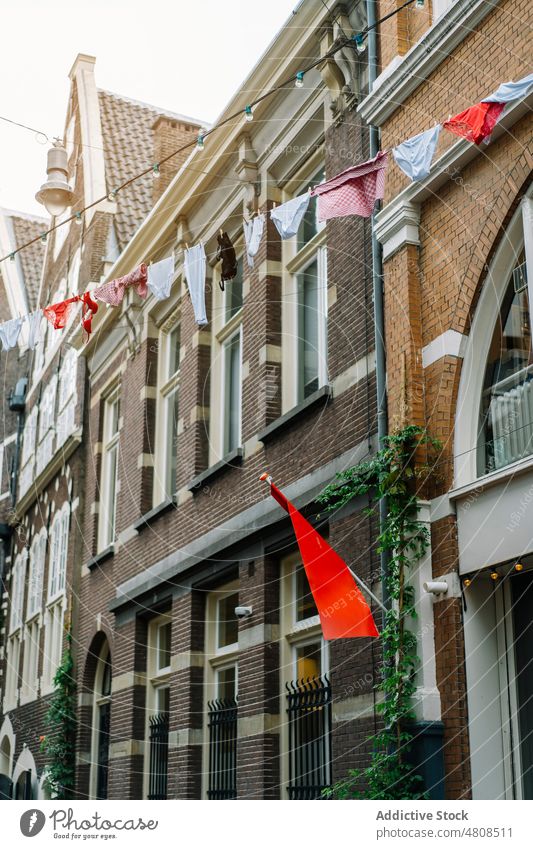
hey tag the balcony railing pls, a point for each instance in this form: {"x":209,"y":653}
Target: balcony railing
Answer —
{"x":158,"y":779}
{"x":309,"y":712}
{"x":222,"y":725}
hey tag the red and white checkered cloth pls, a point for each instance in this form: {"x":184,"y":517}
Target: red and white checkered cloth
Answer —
{"x":113,"y":292}
{"x":354,"y":191}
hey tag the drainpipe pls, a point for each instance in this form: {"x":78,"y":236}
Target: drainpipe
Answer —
{"x":17,"y":404}
{"x":377,"y":285}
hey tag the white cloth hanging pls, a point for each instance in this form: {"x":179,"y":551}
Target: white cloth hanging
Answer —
{"x":160,"y":276}
{"x":35,"y":328}
{"x":511,"y":91}
{"x":194,"y":267}
{"x":288,"y":216}
{"x":415,"y":155}
{"x":253,"y":231}
{"x":9,"y":333}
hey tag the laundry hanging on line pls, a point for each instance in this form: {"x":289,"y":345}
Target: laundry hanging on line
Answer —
{"x":476,"y":123}
{"x":353,"y":191}
{"x":415,"y":155}
{"x":160,"y":276}
{"x":194,"y":267}
{"x":253,"y":231}
{"x":511,"y":91}
{"x":9,"y":333}
{"x":113,"y":292}
{"x":226,"y":253}
{"x":35,"y":328}
{"x":89,"y":308}
{"x":288,"y":216}
{"x":58,"y":314}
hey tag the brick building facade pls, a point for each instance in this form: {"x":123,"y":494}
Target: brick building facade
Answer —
{"x":456,"y":246}
{"x":45,"y":547}
{"x":169,"y":528}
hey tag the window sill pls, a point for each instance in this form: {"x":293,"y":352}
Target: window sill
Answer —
{"x":101,"y":557}
{"x":153,"y":514}
{"x":275,"y":427}
{"x":210,"y":473}
{"x":519,"y":467}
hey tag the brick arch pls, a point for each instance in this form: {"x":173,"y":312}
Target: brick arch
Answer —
{"x":443,"y":378}
{"x":516,"y":185}
{"x":92,"y":657}
{"x":85,"y":713}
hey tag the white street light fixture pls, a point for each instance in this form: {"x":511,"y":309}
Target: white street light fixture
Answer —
{"x":56,"y":194}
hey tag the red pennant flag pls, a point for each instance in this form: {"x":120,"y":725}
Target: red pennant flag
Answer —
{"x":342,"y":609}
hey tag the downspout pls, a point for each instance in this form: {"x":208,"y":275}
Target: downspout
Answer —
{"x":377,"y":286}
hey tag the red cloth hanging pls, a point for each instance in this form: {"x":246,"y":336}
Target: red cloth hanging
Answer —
{"x":88,"y":309}
{"x":342,"y":609}
{"x":57,"y":314}
{"x":113,"y":292}
{"x":475,"y":123}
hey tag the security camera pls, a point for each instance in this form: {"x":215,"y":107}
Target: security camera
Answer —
{"x":243,"y":612}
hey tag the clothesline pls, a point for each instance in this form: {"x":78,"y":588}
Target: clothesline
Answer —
{"x":352,"y":192}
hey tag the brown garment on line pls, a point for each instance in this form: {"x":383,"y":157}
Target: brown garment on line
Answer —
{"x":226,"y":253}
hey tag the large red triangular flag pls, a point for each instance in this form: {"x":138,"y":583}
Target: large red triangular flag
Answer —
{"x":342,"y":609}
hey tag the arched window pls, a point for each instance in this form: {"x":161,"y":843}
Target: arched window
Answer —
{"x":507,"y":397}
{"x":101,"y":723}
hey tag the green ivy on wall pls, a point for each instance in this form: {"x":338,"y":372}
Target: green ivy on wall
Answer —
{"x":391,"y":474}
{"x":59,"y":741}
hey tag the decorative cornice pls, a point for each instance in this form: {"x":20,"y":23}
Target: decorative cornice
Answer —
{"x":424,"y":57}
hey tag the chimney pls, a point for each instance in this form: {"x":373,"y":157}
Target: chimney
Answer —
{"x":168,"y":135}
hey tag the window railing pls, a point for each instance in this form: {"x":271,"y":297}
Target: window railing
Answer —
{"x":158,"y":779}
{"x":309,"y":712}
{"x":222,"y":727}
{"x":510,"y":423}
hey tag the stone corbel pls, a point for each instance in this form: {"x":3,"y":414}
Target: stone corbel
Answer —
{"x":183,"y":235}
{"x":247,"y":172}
{"x":339,"y":72}
{"x":398,"y":225}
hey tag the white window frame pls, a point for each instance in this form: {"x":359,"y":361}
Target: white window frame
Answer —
{"x":30,"y":666}
{"x":295,"y":260}
{"x":223,"y":333}
{"x":7,"y":441}
{"x":12,"y":663}
{"x":320,"y":257}
{"x":108,"y":487}
{"x":168,"y":388}
{"x":157,"y":679}
{"x":294,"y":634}
{"x":217,"y":659}
{"x":36,"y":579}
{"x":17,"y":591}
{"x":224,"y":412}
{"x":58,"y":560}
{"x":53,"y":642}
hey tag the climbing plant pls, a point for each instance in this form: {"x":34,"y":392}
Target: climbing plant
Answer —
{"x":392,"y":474}
{"x":58,"y":742}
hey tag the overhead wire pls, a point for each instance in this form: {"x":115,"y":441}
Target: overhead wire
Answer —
{"x":202,"y":135}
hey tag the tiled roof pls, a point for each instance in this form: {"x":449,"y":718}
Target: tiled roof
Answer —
{"x":26,"y":228}
{"x":128,"y":141}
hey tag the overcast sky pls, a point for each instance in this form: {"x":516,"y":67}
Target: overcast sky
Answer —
{"x":187,"y":57}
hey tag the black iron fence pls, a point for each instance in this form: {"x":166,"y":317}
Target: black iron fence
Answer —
{"x":309,"y":711}
{"x":222,"y":724}
{"x":158,"y":756}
